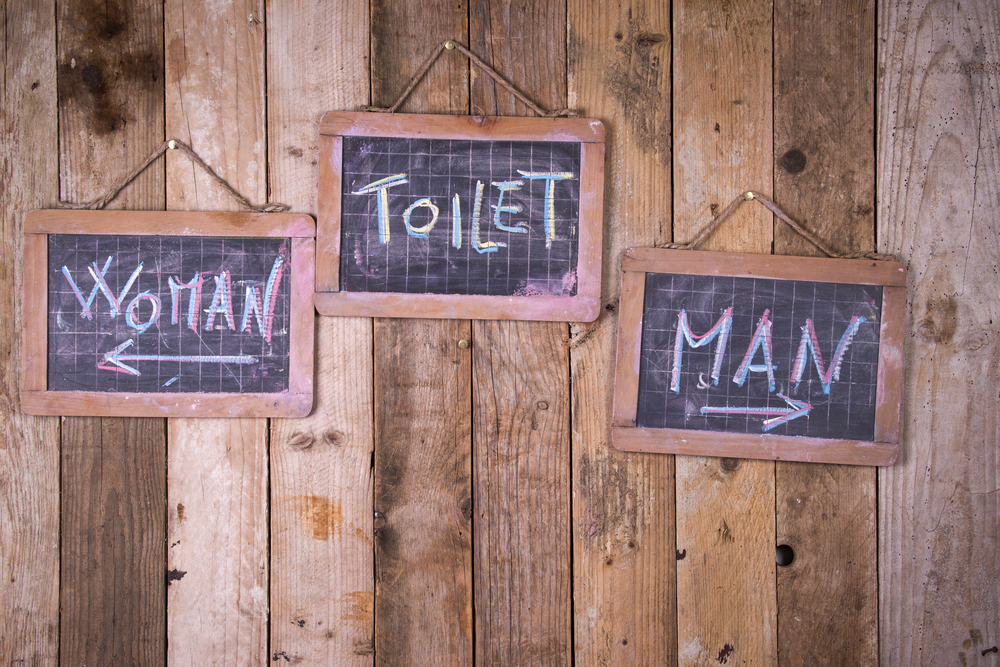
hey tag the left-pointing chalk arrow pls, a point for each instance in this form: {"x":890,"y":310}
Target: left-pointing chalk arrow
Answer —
{"x":114,"y":360}
{"x":779,"y":416}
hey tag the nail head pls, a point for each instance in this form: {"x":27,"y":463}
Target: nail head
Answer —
{"x":748,"y":196}
{"x":449,"y":45}
{"x":464,"y":344}
{"x":171,"y":144}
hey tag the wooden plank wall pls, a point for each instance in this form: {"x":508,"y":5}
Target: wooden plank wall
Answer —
{"x":459,"y":505}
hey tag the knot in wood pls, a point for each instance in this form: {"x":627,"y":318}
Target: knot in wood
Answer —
{"x":301,"y":441}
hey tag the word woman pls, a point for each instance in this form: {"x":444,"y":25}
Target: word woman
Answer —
{"x":258,"y":299}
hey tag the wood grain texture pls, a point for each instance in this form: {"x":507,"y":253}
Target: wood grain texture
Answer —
{"x":217,"y":469}
{"x":722,"y":120}
{"x":624,"y":564}
{"x":521,"y":437}
{"x":29,"y":446}
{"x":403,"y":36}
{"x":523,"y":607}
{"x":217,"y":565}
{"x":423,"y":506}
{"x":725,"y":507}
{"x":112,"y":547}
{"x":110,"y":82}
{"x":322,"y":562}
{"x":824,"y":178}
{"x":423,"y":447}
{"x":939,"y":157}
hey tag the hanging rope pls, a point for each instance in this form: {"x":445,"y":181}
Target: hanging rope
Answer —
{"x":750,"y":195}
{"x":174,"y":144}
{"x":451,"y":45}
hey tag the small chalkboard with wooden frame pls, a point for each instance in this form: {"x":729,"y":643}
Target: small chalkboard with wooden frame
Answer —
{"x":169,"y":314}
{"x":759,"y":356}
{"x":460,"y":217}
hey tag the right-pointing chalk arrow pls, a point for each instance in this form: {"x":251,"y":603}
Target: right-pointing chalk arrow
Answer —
{"x":778,"y":416}
{"x":115,"y":360}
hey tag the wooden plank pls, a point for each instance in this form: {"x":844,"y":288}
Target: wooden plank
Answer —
{"x":110,"y":66}
{"x":725,"y":507}
{"x":217,"y":469}
{"x":423,"y":536}
{"x":824,"y":178}
{"x":423,"y":556}
{"x":112,"y":520}
{"x":521,"y":434}
{"x":624,"y":567}
{"x":322,"y":563}
{"x":939,"y":158}
{"x":29,"y":454}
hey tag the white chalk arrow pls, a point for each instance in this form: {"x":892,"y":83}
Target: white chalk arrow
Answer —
{"x":115,"y":360}
{"x":779,"y":416}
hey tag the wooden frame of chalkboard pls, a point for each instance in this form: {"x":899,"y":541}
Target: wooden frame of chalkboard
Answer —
{"x":500,"y":217}
{"x":684,"y":385}
{"x":101,"y":331}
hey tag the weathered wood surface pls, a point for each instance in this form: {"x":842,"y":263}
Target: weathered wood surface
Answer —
{"x":29,"y":446}
{"x":619,"y":71}
{"x":322,"y":589}
{"x":521,"y":393}
{"x":726,"y":607}
{"x":937,"y":210}
{"x":423,"y":447}
{"x":824,"y":178}
{"x":939,"y":157}
{"x":110,"y":69}
{"x":217,"y":501}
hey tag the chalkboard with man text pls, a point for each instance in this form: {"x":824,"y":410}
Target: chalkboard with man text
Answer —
{"x":460,"y":217}
{"x":759,"y":356}
{"x":168,"y":314}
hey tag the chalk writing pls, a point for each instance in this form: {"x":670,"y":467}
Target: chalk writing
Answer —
{"x":760,"y":333}
{"x":146,"y":277}
{"x":527,"y":241}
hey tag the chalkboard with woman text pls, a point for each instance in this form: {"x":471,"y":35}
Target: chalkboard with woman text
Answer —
{"x":759,"y":356}
{"x":460,"y":217}
{"x":168,"y":314}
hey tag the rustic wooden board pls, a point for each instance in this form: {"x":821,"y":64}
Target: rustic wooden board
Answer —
{"x":725,"y":507}
{"x":824,"y":177}
{"x":218,"y":469}
{"x":110,"y":65}
{"x":217,"y":566}
{"x":29,"y":446}
{"x":296,"y":330}
{"x":521,"y":394}
{"x":423,"y":536}
{"x":665,"y":428}
{"x":624,"y":567}
{"x":322,"y":585}
{"x":378,"y":273}
{"x":937,"y":208}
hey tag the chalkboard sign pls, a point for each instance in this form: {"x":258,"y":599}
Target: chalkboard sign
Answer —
{"x":168,"y":314}
{"x":758,"y":356}
{"x":460,"y":217}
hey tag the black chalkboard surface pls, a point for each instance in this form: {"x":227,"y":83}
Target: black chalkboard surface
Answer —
{"x":449,"y":216}
{"x":169,"y":313}
{"x":707,"y":342}
{"x":498,"y":218}
{"x":759,"y":356}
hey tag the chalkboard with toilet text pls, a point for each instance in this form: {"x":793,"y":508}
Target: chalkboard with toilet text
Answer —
{"x":460,"y":217}
{"x":757,"y":356}
{"x":195,"y":314}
